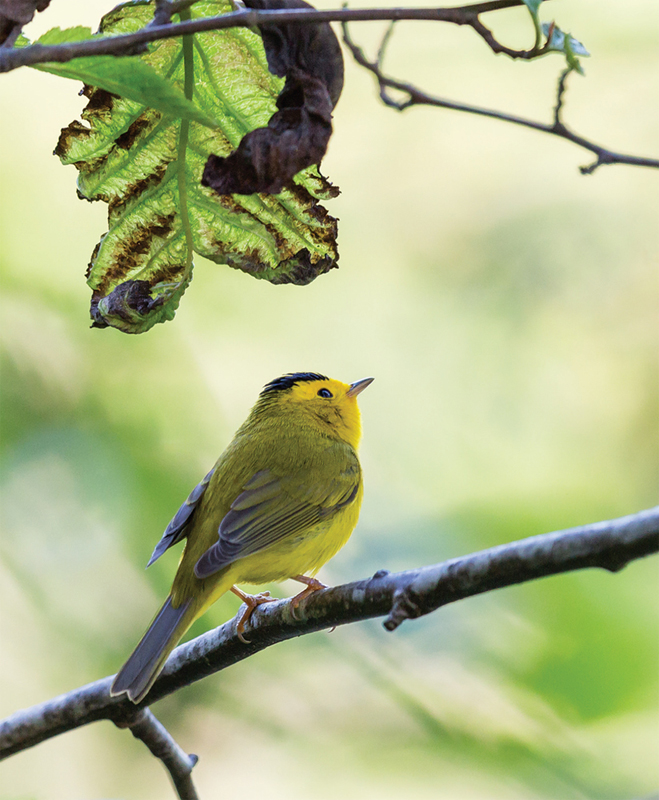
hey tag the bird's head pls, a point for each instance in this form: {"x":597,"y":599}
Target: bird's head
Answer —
{"x":324,"y":402}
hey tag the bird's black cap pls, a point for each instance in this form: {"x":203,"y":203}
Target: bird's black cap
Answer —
{"x":289,"y":380}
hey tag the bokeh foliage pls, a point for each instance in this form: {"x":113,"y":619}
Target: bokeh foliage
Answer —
{"x":504,"y":304}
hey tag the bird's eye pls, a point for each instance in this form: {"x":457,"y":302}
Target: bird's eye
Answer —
{"x":324,"y":393}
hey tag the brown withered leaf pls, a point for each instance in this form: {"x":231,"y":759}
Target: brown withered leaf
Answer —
{"x":309,"y":57}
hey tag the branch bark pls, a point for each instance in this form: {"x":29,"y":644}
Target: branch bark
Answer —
{"x":398,"y":596}
{"x":417,"y":97}
{"x":177,"y":762}
{"x":135,"y":43}
{"x":470,"y":15}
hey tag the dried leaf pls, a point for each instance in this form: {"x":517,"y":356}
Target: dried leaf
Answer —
{"x":129,"y":77}
{"x":309,"y":57}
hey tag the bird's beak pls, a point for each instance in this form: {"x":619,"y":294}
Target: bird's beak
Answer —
{"x":359,"y":386}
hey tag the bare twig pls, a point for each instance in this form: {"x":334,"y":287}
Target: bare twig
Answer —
{"x":162,"y":27}
{"x":385,"y":41}
{"x":416,"y":97}
{"x":177,"y":762}
{"x":12,"y":36}
{"x":134,"y":43}
{"x":398,"y":596}
{"x":560,"y":97}
{"x":163,"y":13}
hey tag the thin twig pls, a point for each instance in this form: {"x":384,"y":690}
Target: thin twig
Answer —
{"x":398,"y":596}
{"x":417,"y":97}
{"x":135,"y":43}
{"x":177,"y":762}
{"x":12,"y":36}
{"x":560,"y":97}
{"x":385,"y":41}
{"x":380,"y":58}
{"x":163,"y":13}
{"x":181,"y":5}
{"x":163,"y":28}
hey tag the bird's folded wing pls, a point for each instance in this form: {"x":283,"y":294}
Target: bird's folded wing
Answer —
{"x":177,"y":528}
{"x":270,"y":509}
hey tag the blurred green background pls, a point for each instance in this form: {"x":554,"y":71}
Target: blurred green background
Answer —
{"x":505,"y":305}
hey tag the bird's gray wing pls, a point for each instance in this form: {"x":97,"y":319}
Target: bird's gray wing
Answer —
{"x":177,"y":528}
{"x":270,"y":509}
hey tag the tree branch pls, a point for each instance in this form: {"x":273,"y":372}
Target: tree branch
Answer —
{"x":163,"y":28}
{"x":177,"y":762}
{"x":135,"y":43}
{"x":417,"y":97}
{"x":398,"y":596}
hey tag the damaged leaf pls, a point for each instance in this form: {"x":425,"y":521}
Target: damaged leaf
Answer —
{"x":147,"y":166}
{"x":309,"y":57}
{"x":128,"y":76}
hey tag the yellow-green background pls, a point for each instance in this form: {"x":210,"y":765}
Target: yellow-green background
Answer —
{"x":506,"y":307}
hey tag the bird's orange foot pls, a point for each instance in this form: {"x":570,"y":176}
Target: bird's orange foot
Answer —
{"x":252,"y":601}
{"x":312,"y":586}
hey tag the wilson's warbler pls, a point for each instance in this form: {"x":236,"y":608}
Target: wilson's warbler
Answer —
{"x":281,"y":500}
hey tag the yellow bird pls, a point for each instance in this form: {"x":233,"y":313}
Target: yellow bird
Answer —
{"x":281,"y":500}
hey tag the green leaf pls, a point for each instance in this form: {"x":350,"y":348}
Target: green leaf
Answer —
{"x":148,"y":167}
{"x":126,"y":76}
{"x":562,"y":42}
{"x":59,"y":36}
{"x":532,"y":5}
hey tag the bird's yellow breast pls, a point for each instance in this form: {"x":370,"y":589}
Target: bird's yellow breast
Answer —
{"x":303,"y":554}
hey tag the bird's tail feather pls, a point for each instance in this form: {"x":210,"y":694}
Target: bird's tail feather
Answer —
{"x":145,"y":662}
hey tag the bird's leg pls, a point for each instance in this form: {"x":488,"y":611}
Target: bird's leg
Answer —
{"x":252,"y":601}
{"x":312,"y":586}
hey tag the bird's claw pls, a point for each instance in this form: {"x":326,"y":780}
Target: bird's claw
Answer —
{"x":252,"y":601}
{"x":312,"y":585}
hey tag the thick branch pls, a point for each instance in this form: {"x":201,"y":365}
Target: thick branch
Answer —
{"x":404,"y":595}
{"x":177,"y":762}
{"x":134,"y":43}
{"x":416,"y":97}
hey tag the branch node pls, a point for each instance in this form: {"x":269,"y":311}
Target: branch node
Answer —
{"x":381,"y":573}
{"x":615,"y":564}
{"x":403,"y":607}
{"x":163,"y":13}
{"x":590,"y":168}
{"x":605,"y":157}
{"x":12,"y":35}
{"x":177,"y":762}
